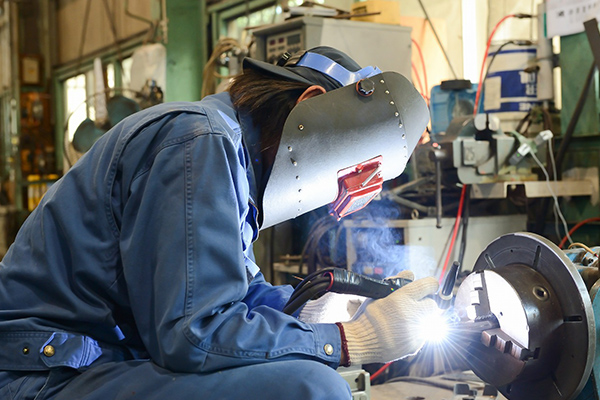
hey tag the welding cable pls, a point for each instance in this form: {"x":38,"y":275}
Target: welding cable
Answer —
{"x":577,"y":226}
{"x":312,"y":289}
{"x":310,"y":251}
{"x":465,"y":224}
{"x":487,"y":48}
{"x":423,"y":66}
{"x":455,"y":229}
{"x":339,"y":280}
{"x":309,"y":279}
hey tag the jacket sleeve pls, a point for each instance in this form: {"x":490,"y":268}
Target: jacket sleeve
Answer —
{"x":183,"y":261}
{"x":261,"y":292}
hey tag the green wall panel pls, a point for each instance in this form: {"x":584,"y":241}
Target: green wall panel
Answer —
{"x":186,"y":49}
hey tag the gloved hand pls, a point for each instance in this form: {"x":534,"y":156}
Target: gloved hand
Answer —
{"x":406,"y":274}
{"x":386,"y":329}
{"x":330,"y":308}
{"x":338,"y":307}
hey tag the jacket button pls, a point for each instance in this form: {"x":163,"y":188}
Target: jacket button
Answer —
{"x":49,"y":351}
{"x":328,"y":349}
{"x":25,"y":350}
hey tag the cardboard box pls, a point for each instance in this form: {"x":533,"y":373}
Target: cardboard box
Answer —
{"x":389,"y":11}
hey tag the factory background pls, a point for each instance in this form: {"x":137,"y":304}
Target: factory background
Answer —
{"x":513,"y":144}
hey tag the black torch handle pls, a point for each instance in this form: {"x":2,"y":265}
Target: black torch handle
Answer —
{"x":350,"y":282}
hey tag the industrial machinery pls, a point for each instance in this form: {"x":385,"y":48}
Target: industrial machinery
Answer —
{"x":528,"y":319}
{"x":480,"y":153}
{"x":355,"y":38}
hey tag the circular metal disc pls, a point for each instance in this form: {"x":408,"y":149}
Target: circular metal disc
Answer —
{"x":576,"y":334}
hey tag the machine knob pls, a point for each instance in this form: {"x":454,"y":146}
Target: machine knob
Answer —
{"x":365,"y":87}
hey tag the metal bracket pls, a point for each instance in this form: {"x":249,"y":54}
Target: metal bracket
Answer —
{"x":533,"y":189}
{"x":359,"y":381}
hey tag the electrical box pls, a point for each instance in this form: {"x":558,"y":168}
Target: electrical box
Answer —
{"x":382,"y":45}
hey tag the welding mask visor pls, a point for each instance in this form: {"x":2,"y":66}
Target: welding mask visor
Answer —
{"x":338,"y":148}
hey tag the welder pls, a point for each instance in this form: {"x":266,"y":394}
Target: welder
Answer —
{"x":134,"y":278}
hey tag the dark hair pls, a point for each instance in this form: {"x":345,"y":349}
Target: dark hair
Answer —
{"x":268,"y":101}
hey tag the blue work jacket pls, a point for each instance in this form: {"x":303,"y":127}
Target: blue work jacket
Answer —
{"x":144,"y":250}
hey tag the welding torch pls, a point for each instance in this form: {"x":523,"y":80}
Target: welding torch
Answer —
{"x":340,"y":280}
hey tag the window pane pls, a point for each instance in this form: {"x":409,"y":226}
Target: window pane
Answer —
{"x":110,"y":75}
{"x":269,"y":15}
{"x":126,"y":77}
{"x":75,"y":102}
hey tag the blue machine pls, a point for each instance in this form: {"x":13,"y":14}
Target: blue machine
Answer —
{"x":449,"y":100}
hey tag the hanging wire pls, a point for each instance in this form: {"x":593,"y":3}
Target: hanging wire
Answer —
{"x":113,"y":29}
{"x":556,"y":205}
{"x":424,"y":69}
{"x":209,"y":73}
{"x":437,"y":38}
{"x":83,"y":33}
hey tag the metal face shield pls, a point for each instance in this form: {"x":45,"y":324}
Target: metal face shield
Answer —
{"x":340,"y":146}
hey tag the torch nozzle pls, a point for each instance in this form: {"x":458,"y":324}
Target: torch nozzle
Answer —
{"x":447,"y":286}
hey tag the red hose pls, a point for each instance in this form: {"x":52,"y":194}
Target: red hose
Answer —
{"x":380,"y":371}
{"x":455,"y":229}
{"x":577,"y":226}
{"x":414,"y":70}
{"x":424,"y":69}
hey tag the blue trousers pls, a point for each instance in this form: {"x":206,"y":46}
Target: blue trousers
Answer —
{"x":144,"y":380}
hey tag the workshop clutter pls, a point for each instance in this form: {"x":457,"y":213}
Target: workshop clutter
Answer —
{"x":37,"y":186}
{"x":379,"y":11}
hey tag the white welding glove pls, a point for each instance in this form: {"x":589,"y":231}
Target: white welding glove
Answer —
{"x":406,"y":274}
{"x":338,"y":307}
{"x":330,"y":308}
{"x":387,"y":329}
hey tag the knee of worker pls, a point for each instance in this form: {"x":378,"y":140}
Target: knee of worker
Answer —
{"x":313,"y":380}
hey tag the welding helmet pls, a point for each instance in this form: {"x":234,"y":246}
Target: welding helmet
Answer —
{"x":339,"y":147}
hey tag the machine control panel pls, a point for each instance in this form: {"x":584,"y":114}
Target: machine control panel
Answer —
{"x":277,"y":44}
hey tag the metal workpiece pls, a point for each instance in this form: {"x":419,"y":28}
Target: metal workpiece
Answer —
{"x":544,"y":344}
{"x":338,"y":130}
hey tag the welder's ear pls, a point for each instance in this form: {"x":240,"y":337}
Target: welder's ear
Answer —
{"x":312,"y":91}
